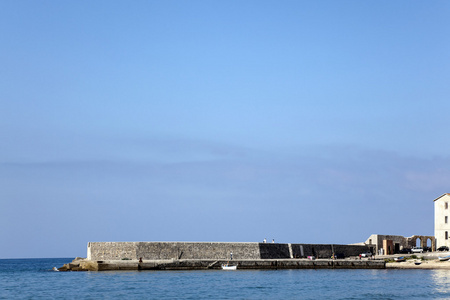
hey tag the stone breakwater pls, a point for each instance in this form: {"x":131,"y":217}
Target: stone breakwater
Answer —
{"x":215,"y":250}
{"x":102,"y":256}
{"x":190,"y":264}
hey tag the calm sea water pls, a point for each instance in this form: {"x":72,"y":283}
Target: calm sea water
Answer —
{"x":33,"y":279}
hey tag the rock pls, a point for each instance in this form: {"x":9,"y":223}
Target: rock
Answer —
{"x":65,"y":267}
{"x":79,"y":258}
{"x":89,"y":265}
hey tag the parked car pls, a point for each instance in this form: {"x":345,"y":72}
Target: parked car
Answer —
{"x":442,"y":248}
{"x":426,"y":249}
{"x":339,"y":256}
{"x":417,"y":250}
{"x":365,"y":254}
{"x":405,"y":251}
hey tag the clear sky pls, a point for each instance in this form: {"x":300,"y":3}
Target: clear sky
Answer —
{"x":302,"y":121}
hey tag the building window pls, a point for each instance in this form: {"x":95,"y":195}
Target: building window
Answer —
{"x":446,"y":205}
{"x":446,"y":219}
{"x":446,"y":235}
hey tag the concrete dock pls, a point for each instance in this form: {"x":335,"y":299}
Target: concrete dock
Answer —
{"x":200,"y":264}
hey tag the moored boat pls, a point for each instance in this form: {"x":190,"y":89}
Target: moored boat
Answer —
{"x":228,"y":267}
{"x":445,"y":258}
{"x":400,"y":259}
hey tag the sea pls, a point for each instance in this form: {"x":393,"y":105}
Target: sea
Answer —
{"x":34,"y":279}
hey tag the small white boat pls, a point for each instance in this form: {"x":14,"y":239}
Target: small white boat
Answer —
{"x":417,"y":262}
{"x":400,"y":259}
{"x":228,"y":267}
{"x":445,"y":258}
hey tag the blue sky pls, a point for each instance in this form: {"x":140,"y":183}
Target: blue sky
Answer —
{"x":302,"y":121}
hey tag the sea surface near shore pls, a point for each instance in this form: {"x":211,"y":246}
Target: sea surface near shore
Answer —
{"x":34,"y":279}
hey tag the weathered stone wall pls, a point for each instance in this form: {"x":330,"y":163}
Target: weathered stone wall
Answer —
{"x":326,"y":251}
{"x":396,"y":239}
{"x":213,"y":250}
{"x":111,"y":250}
{"x":273,"y":251}
{"x":192,"y":250}
{"x":423,"y":241}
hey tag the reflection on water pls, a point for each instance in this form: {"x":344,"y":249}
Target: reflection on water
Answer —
{"x":441,"y":280}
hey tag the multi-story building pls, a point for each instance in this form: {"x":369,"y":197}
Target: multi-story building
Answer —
{"x":441,"y":220}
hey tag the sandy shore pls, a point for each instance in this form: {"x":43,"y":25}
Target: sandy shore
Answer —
{"x":430,"y":261}
{"x":427,"y":264}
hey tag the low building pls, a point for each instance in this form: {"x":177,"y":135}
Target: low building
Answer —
{"x":392,"y":244}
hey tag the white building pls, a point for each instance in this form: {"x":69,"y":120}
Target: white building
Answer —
{"x":441,"y":220}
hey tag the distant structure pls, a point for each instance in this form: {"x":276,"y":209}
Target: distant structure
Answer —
{"x":441,"y":223}
{"x":391,"y":244}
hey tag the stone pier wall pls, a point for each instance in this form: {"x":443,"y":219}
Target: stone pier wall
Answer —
{"x":214,"y":250}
